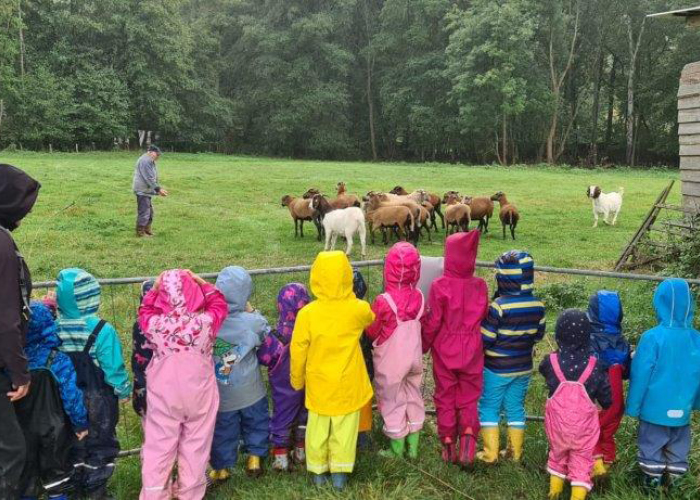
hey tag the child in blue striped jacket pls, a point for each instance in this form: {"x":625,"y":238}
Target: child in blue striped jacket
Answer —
{"x":515,"y":322}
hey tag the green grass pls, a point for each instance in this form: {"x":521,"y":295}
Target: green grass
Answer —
{"x":226,"y":210}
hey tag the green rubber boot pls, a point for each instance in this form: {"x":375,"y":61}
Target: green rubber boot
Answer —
{"x":412,"y":442}
{"x":396,"y":448}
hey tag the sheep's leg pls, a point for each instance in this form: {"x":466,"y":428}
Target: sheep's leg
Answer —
{"x":301,"y":227}
{"x":595,"y":218}
{"x":442,"y":217}
{"x":334,"y":240}
{"x":296,"y":228}
{"x":363,"y":239}
{"x":512,"y":231}
{"x":348,"y":240}
{"x":319,"y":229}
{"x":606,"y":216}
{"x":328,"y":240}
{"x":427,"y":228}
{"x":504,"y":230}
{"x":615,"y":218}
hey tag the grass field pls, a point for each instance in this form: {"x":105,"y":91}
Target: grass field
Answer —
{"x":226,"y":210}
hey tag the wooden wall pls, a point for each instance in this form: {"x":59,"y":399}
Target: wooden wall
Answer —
{"x":689,"y":135}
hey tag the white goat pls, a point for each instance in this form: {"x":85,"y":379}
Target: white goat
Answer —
{"x":346,"y":221}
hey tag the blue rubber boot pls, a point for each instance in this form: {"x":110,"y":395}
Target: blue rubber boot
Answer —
{"x":62,"y":496}
{"x":320,"y":479}
{"x":340,"y":480}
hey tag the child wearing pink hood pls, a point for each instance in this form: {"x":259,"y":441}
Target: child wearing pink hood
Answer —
{"x":180,"y":317}
{"x":457,"y":303}
{"x":397,"y":354}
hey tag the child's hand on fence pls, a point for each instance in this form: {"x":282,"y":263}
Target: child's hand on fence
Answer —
{"x":81,"y":435}
{"x":249,"y":307}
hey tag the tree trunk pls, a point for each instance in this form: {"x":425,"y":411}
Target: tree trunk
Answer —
{"x":504,"y":145}
{"x":611,"y":105}
{"x":633,"y":52}
{"x":21,"y":39}
{"x":370,"y":104}
{"x":553,"y":129}
{"x":595,"y":112}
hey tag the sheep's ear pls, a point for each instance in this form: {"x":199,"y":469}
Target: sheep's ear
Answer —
{"x":596,"y":194}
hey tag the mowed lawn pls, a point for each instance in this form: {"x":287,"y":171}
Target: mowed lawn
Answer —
{"x":226,"y":210}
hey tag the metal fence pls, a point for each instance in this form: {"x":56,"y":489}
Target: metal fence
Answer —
{"x":120,"y":302}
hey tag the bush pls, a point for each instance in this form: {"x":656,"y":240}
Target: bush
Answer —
{"x":560,"y":296}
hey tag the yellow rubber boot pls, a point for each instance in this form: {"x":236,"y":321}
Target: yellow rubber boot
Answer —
{"x":490,"y":436}
{"x":599,"y":468}
{"x":578,"y":493}
{"x":516,"y":437}
{"x":556,"y":487}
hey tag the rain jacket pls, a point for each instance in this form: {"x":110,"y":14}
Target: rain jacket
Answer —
{"x":42,"y":343}
{"x":78,"y":299}
{"x":457,"y":304}
{"x":237,"y":370}
{"x":326,"y":357}
{"x":18,"y":193}
{"x":516,"y":318}
{"x":401,"y":273}
{"x":607,"y":342}
{"x":141,"y":354}
{"x":665,"y":379}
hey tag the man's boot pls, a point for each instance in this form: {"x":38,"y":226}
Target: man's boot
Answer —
{"x":147,"y":229}
{"x":140,"y":231}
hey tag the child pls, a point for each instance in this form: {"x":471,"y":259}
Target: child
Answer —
{"x":288,"y":413}
{"x":457,"y":304}
{"x":93,"y":346}
{"x":54,"y":395}
{"x":663,"y":398}
{"x":359,"y":287}
{"x":326,"y":359}
{"x":398,"y":358}
{"x":611,"y":349}
{"x":575,"y":380}
{"x":180,"y":317}
{"x":515,"y":322}
{"x":243,"y":411}
{"x":141,"y":355}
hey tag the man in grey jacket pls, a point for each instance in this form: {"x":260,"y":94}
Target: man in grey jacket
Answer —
{"x":146,"y":187}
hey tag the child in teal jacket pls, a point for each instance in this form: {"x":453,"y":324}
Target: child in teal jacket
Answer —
{"x":665,"y":385}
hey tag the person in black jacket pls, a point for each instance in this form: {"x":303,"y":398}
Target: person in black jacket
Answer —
{"x":18,"y":193}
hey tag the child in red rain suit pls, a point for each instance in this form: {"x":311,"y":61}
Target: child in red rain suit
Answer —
{"x":457,"y":304}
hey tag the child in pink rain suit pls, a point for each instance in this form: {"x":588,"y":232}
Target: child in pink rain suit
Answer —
{"x":398,"y":358}
{"x":457,"y":304}
{"x":575,"y":380}
{"x":180,"y":317}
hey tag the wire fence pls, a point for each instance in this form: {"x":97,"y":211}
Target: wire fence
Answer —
{"x":558,"y":287}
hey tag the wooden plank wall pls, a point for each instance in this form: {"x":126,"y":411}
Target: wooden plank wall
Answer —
{"x":689,"y":135}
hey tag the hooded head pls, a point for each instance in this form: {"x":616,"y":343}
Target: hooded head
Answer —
{"x":515,"y":273}
{"x":331,"y":276}
{"x":401,"y":267}
{"x":605,"y":312}
{"x":573,"y":331}
{"x":359,"y":287}
{"x":178,"y":291}
{"x":42,"y":331}
{"x":674,"y":304}
{"x":460,"y":254}
{"x":237,"y":286}
{"x":18,"y":193}
{"x":290,"y":300}
{"x":77,"y":294}
{"x":146,"y":287}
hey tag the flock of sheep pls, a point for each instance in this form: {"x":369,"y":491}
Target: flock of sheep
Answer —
{"x":405,"y":215}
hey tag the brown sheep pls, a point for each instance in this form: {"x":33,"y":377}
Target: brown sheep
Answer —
{"x":395,"y":217}
{"x":433,"y":199}
{"x":343,"y":199}
{"x":508,"y":214}
{"x":300,"y":210}
{"x":482,"y":210}
{"x":427,"y":213}
{"x":457,"y":215}
{"x":375,"y":200}
{"x":310,"y":193}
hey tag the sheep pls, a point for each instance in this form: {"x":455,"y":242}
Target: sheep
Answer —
{"x":375,"y":200}
{"x":301,"y":211}
{"x":343,"y":199}
{"x":508,"y":214}
{"x":310,"y":193}
{"x":345,"y":221}
{"x":482,"y":210}
{"x":433,"y":199}
{"x":427,"y":213}
{"x":391,"y":217}
{"x":457,"y":215}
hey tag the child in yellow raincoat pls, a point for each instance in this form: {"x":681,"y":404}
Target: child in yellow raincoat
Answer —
{"x":326,"y":359}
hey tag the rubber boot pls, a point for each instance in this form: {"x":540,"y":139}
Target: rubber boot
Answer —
{"x":62,"y":496}
{"x":363,"y":441}
{"x":578,"y":493}
{"x":147,"y":230}
{"x":396,"y":448}
{"x":467,"y":449}
{"x":299,"y":453}
{"x":412,"y":441}
{"x":253,"y":467}
{"x":516,"y":438}
{"x":599,"y":468}
{"x":653,"y":486}
{"x":339,"y":480}
{"x":556,"y":487}
{"x":140,"y":232}
{"x":448,"y":450}
{"x":219,"y":476}
{"x":320,"y":479}
{"x":490,"y":436}
{"x":672,"y":481}
{"x":280,"y":460}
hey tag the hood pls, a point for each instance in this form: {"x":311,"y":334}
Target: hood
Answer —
{"x":515,"y":273}
{"x":605,"y":312}
{"x":18,"y":193}
{"x":331,"y":276}
{"x":146,"y":287}
{"x":178,"y":291}
{"x":290,"y":300}
{"x":573,"y":331}
{"x":359,"y":286}
{"x":460,"y":254}
{"x":401,"y":267}
{"x":42,"y":331}
{"x":674,"y":304}
{"x":237,"y":286}
{"x":77,"y":294}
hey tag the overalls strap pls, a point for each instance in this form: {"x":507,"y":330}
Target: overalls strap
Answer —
{"x":588,"y":371}
{"x":392,"y":306}
{"x":93,"y":336}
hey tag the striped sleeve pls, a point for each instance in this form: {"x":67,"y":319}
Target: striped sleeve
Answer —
{"x":490,"y":324}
